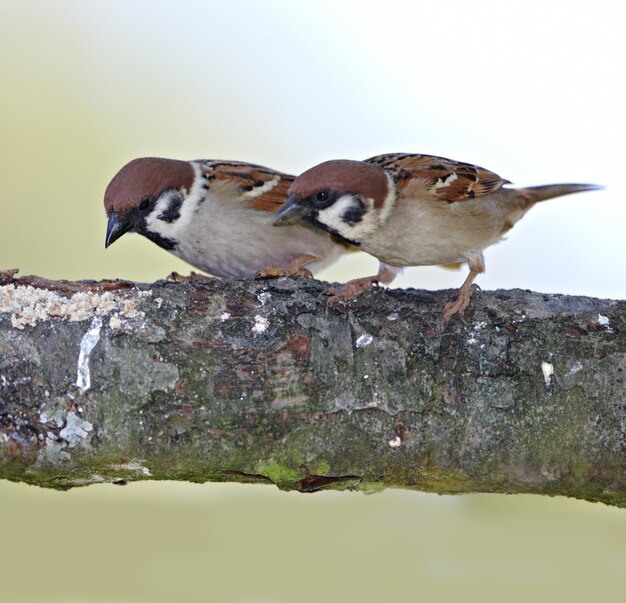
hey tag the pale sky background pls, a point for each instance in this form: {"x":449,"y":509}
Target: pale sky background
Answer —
{"x":533,"y":90}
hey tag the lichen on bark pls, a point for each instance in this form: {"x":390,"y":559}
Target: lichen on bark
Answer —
{"x":261,"y":381}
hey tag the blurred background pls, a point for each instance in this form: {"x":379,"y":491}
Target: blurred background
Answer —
{"x":534,"y":91}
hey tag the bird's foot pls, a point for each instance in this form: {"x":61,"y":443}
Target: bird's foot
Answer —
{"x":459,"y":305}
{"x":349,"y":291}
{"x":278,"y":271}
{"x":193,"y":277}
{"x":295,"y":267}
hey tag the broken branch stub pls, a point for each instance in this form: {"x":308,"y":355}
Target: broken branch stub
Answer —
{"x":259,"y":381}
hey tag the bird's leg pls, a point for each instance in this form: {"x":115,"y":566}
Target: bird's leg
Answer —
{"x":476,"y":265}
{"x":352,"y":288}
{"x":295,"y":267}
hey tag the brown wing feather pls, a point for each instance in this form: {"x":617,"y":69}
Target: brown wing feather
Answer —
{"x":273,"y":199}
{"x":444,"y":179}
{"x":260,"y":187}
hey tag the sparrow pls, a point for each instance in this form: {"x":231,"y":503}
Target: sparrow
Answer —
{"x":215,"y":215}
{"x":413,"y":210}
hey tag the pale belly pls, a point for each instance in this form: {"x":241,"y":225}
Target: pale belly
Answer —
{"x":414,"y":238}
{"x":239,"y":244}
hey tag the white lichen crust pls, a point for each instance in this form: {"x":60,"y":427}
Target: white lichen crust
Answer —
{"x":30,"y":305}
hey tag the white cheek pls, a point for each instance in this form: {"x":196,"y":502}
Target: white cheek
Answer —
{"x":153,"y":224}
{"x":191,"y":202}
{"x":332,"y":217}
{"x":162,"y":205}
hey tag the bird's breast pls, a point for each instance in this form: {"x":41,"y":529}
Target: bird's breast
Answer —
{"x":233,"y":240}
{"x":424,"y":233}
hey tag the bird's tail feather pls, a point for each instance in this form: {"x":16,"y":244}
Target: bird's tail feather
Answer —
{"x":534,"y":194}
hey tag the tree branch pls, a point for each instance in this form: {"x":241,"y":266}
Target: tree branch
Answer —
{"x":258,"y":381}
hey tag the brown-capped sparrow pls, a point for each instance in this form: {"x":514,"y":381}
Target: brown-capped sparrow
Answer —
{"x":413,"y":210}
{"x":216,"y":215}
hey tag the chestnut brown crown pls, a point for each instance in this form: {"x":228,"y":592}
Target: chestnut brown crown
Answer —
{"x":343,"y":176}
{"x":146,"y":177}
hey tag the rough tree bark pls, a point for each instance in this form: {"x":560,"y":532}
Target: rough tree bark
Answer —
{"x":258,"y":381}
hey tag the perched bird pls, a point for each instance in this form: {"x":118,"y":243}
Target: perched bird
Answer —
{"x":413,"y":210}
{"x":216,"y":215}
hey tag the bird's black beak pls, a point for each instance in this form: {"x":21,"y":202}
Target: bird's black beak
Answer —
{"x":116,"y":227}
{"x":291,"y":210}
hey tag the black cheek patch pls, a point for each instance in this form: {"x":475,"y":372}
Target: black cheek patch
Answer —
{"x":354,"y":214}
{"x":172,"y":213}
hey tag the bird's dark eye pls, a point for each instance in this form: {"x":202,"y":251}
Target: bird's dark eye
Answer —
{"x":322,"y":196}
{"x":145,"y":204}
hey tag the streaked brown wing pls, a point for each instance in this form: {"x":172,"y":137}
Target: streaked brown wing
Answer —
{"x":260,"y":187}
{"x":444,"y":179}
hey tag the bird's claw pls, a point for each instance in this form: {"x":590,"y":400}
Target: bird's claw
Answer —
{"x":459,"y":305}
{"x":278,"y":271}
{"x":349,"y":291}
{"x":193,"y":277}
